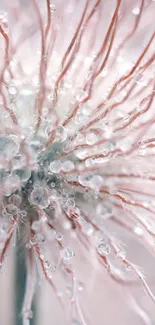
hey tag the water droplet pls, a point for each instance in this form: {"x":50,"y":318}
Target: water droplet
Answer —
{"x":80,"y":286}
{"x":52,"y":7}
{"x":36,"y":225}
{"x":52,"y":184}
{"x":3,"y":229}
{"x":55,"y":166}
{"x":15,"y":199}
{"x":39,"y":196}
{"x":70,"y":203}
{"x":54,"y":268}
{"x":138,"y":231}
{"x":45,"y":111}
{"x":68,"y":84}
{"x":104,"y":248}
{"x":42,"y":256}
{"x":68,"y":146}
{"x":59,"y":236}
{"x":47,"y":264}
{"x":91,"y":138}
{"x":24,"y":174}
{"x":88,"y":228}
{"x":128,"y":268}
{"x":69,"y":291}
{"x":104,"y":210}
{"x":86,"y":109}
{"x":33,"y":240}
{"x":23,"y":213}
{"x":80,"y":118}
{"x":67,"y":253}
{"x":11,"y":184}
{"x":9,"y":147}
{"x":40,"y":238}
{"x":11,"y":209}
{"x":61,"y":133}
{"x":136,"y":11}
{"x":3,"y":14}
{"x":121,"y":255}
{"x":81,"y":95}
{"x":67,"y":165}
{"x":96,"y":182}
{"x":54,"y":195}
{"x":28,"y":246}
{"x":12,"y":90}
{"x":28,"y":314}
{"x":85,"y":178}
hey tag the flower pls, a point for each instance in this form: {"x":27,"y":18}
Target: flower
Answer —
{"x":77,"y":145}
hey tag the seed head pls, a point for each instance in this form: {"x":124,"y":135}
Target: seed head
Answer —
{"x":77,"y":121}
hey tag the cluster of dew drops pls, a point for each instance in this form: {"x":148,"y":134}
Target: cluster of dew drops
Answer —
{"x":40,"y":185}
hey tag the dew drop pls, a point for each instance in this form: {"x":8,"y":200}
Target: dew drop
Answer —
{"x":54,"y":268}
{"x":12,"y":90}
{"x":68,"y":84}
{"x":28,"y":245}
{"x":35,"y":225}
{"x":52,"y":184}
{"x":40,"y":238}
{"x":86,"y":109}
{"x":56,"y":166}
{"x":42,"y":256}
{"x":128,"y":268}
{"x":70,"y":203}
{"x":69,"y":291}
{"x":52,"y":7}
{"x":96,"y":182}
{"x":24,"y":174}
{"x":104,"y":248}
{"x":60,"y":293}
{"x":49,"y":274}
{"x":88,"y":228}
{"x":47,"y":264}
{"x":23,"y":213}
{"x":121,"y":255}
{"x":39,"y":196}
{"x":85,"y":178}
{"x":136,"y":11}
{"x":91,"y":138}
{"x":81,"y":118}
{"x":3,"y":229}
{"x":67,"y":253}
{"x":80,"y":286}
{"x":3,"y":15}
{"x":15,"y":199}
{"x":28,"y":314}
{"x":104,"y":210}
{"x":33,"y":240}
{"x":81,"y":94}
{"x":11,"y":184}
{"x":54,"y":195}
{"x":61,"y":133}
{"x":11,"y":209}
{"x":138,"y":231}
{"x":68,"y":146}
{"x":67,"y":165}
{"x":59,"y":236}
{"x":45,"y":111}
{"x":8,"y":147}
